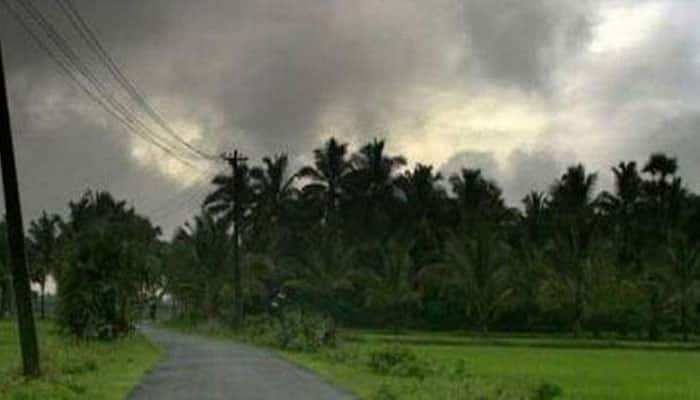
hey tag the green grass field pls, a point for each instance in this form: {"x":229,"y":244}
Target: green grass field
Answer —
{"x":503,"y":368}
{"x":72,"y":370}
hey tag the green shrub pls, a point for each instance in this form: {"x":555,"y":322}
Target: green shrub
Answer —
{"x":342,"y":355}
{"x":397,"y":361}
{"x":293,"y":329}
{"x":104,"y":258}
{"x":547,"y":391}
{"x":384,"y":393}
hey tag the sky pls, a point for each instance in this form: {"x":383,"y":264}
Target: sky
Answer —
{"x":520,"y":89}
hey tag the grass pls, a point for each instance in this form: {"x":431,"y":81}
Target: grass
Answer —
{"x":74,"y":370}
{"x":515,"y":367}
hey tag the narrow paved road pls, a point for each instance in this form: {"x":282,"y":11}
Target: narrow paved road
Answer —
{"x":197,"y":368}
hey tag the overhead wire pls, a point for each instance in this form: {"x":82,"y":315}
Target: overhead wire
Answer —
{"x":62,"y":44}
{"x":117,"y":110}
{"x":89,"y":36}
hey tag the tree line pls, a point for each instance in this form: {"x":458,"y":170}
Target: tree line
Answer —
{"x":365,"y":240}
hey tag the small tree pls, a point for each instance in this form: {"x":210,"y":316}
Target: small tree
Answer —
{"x":43,"y":248}
{"x":99,"y":286}
{"x":391,"y":286}
{"x":479,"y":266}
{"x":684,"y":260}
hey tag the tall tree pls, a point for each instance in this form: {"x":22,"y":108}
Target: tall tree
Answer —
{"x":43,"y":249}
{"x":573,"y":258}
{"x":272,"y":185}
{"x":421,"y":193}
{"x":623,"y":207}
{"x":229,"y":193}
{"x":573,"y":192}
{"x":328,"y":177}
{"x":274,"y":193}
{"x":373,"y":181}
{"x":534,"y":219}
{"x":478,"y":199}
{"x":203,"y":256}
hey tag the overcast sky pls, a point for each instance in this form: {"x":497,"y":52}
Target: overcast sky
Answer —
{"x":518,"y":88}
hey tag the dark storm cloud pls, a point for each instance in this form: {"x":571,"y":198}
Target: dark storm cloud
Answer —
{"x":517,"y":42}
{"x":280,"y":75}
{"x":484,"y":161}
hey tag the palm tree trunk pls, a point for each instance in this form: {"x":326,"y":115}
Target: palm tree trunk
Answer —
{"x":684,"y":318}
{"x":4,"y":298}
{"x":655,"y":317}
{"x":43,"y":299}
{"x":578,"y":314}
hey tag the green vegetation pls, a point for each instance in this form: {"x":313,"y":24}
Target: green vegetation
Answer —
{"x":357,"y":239}
{"x":95,"y":370}
{"x":431,"y":365}
{"x":505,"y":368}
{"x":363,"y":241}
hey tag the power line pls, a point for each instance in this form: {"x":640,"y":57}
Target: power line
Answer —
{"x":117,"y":110}
{"x":80,"y":25}
{"x":62,"y":44}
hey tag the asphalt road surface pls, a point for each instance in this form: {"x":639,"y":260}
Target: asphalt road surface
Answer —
{"x":196,"y":368}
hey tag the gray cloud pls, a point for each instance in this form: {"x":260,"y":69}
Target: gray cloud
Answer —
{"x":276,"y":75}
{"x":517,"y":42}
{"x":522,"y":172}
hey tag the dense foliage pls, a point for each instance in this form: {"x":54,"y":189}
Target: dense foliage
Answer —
{"x":363,"y":239}
{"x":106,"y":249}
{"x":360,"y":239}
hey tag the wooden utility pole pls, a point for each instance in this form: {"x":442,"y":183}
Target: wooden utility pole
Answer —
{"x":235,"y":162}
{"x":15,"y":233}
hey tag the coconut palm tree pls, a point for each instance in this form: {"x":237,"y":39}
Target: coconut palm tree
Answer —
{"x":661,"y":166}
{"x":274,"y":201}
{"x":479,"y":265}
{"x":272,"y":185}
{"x":534,"y":218}
{"x":205,"y":246}
{"x":373,"y":179}
{"x":328,"y":177}
{"x":43,"y":248}
{"x":421,"y":193}
{"x":623,"y":208}
{"x":391,"y":286}
{"x":573,"y":192}
{"x":230,"y":196}
{"x":321,"y":274}
{"x":478,"y":198}
{"x":572,"y":257}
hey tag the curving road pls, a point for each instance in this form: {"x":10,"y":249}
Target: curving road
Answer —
{"x":198,"y":368}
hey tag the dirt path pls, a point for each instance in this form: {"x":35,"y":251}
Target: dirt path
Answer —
{"x":197,"y":368}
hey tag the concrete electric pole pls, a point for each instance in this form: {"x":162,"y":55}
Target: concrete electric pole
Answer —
{"x":15,"y":234}
{"x":235,"y":160}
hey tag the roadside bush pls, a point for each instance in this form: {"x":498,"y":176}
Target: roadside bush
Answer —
{"x":547,"y":391}
{"x":398,"y":361}
{"x":384,"y":393}
{"x":293,"y":329}
{"x":298,"y":330}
